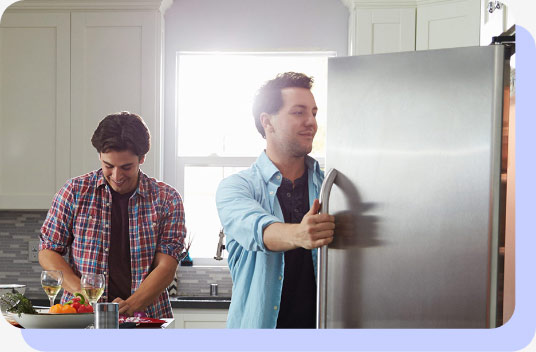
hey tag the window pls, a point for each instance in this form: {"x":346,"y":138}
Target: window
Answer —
{"x":216,"y":134}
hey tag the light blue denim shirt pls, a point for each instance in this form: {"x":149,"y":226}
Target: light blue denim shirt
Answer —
{"x":247,"y":203}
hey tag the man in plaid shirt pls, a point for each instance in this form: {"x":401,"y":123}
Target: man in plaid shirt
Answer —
{"x":119,"y":222}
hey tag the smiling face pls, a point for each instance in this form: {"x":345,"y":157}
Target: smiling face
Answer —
{"x":120,"y":169}
{"x":292,"y":129}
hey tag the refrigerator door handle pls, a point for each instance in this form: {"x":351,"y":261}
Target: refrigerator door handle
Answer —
{"x":322,"y":287}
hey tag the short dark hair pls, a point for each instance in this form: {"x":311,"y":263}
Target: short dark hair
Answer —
{"x":122,"y":131}
{"x":268,"y":98}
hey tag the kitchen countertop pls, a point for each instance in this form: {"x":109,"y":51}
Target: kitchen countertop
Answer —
{"x":203,"y":302}
{"x":195,"y":302}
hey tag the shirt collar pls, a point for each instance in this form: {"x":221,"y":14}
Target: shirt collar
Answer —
{"x":268,"y":169}
{"x":142,"y":189}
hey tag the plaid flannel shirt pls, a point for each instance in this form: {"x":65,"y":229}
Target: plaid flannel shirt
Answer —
{"x":80,"y":219}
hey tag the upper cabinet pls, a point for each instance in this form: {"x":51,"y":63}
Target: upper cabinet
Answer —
{"x":34,"y":108}
{"x":384,"y":26}
{"x":115,"y":58}
{"x":448,"y":24}
{"x":64,"y":65}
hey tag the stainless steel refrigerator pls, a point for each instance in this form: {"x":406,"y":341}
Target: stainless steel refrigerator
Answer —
{"x":414,"y":139}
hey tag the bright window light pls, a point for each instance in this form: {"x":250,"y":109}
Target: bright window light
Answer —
{"x":216,"y":133}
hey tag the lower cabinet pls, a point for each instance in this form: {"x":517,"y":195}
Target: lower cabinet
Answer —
{"x":188,"y":318}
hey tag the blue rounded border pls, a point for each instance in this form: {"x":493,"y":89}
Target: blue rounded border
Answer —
{"x":515,"y":335}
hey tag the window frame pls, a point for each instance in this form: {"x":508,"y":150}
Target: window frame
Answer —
{"x":213,"y":160}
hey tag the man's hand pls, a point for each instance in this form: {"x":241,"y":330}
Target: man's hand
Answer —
{"x":315,"y":230}
{"x":127,"y":307}
{"x":152,"y":287}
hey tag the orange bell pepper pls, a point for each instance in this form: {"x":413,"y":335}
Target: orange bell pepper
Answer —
{"x":67,"y":308}
{"x":55,"y":309}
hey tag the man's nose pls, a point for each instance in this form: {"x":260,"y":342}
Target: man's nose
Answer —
{"x":116,"y":174}
{"x":311,"y":119}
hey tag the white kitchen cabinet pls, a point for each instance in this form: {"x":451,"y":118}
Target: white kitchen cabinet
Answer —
{"x":34,"y":108}
{"x":448,"y":24}
{"x":385,"y":26}
{"x":189,"y":318}
{"x":378,"y":31}
{"x":64,"y":65}
{"x":115,"y":67}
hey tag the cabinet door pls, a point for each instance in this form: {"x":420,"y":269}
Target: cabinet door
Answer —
{"x":34,"y":108}
{"x":380,"y":31}
{"x":448,"y":24}
{"x":114,"y":68}
{"x":200,"y":318}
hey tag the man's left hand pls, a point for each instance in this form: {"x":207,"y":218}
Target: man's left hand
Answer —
{"x":127,"y":307}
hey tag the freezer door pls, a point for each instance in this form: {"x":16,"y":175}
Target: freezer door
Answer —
{"x":416,"y":140}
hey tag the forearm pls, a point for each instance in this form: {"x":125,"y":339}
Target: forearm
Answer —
{"x":280,"y":237}
{"x":51,"y":260}
{"x":153,"y":285}
{"x":315,"y":230}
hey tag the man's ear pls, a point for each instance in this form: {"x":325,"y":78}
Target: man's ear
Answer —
{"x":142,"y":159}
{"x":266,"y":122}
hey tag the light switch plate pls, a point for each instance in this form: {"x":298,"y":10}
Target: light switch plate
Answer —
{"x":33,"y":250}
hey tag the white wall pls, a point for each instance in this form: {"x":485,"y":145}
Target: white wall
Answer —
{"x":245,"y":25}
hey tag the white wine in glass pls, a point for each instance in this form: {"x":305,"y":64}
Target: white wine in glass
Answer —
{"x":51,"y":281}
{"x":92,"y":286}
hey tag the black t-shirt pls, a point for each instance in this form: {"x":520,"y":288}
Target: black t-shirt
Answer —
{"x":119,"y":281}
{"x":298,"y":298}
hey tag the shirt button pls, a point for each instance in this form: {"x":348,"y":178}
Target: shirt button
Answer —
{"x":296,"y":210}
{"x":104,"y":273}
{"x":271,"y":192}
{"x":90,"y":218}
{"x":278,"y":177}
{"x":107,"y":204}
{"x":106,"y":250}
{"x":154,"y":224}
{"x":280,"y":278}
{"x":107,"y":224}
{"x":288,"y":195}
{"x":275,"y":307}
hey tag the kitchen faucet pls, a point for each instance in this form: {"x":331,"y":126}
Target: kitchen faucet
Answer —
{"x":220,"y":247}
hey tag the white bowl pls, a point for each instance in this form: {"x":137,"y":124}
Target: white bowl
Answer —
{"x":13,"y":288}
{"x":45,"y":320}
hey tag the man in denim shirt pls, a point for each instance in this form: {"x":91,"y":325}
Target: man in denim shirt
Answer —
{"x":270,"y":213}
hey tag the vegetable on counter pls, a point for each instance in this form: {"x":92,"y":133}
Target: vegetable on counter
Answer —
{"x":76,"y":307}
{"x":24,"y":305}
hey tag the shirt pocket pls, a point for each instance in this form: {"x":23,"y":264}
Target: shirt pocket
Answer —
{"x":148,"y":230}
{"x":87,"y":232}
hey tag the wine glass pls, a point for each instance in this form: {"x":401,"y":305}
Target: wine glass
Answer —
{"x":92,"y":286}
{"x":51,"y":281}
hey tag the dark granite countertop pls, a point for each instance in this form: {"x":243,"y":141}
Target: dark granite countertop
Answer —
{"x":196,"y":302}
{"x":203,"y":302}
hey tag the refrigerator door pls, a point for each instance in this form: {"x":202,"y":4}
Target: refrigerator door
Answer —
{"x":415,"y":138}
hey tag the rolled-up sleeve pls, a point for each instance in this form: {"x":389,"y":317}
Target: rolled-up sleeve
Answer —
{"x":172,"y":228}
{"x":56,"y":230}
{"x":243,"y":217}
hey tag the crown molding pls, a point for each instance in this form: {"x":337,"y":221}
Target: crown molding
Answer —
{"x":160,"y":5}
{"x":379,"y":4}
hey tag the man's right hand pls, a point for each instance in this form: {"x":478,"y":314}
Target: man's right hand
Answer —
{"x":315,"y":230}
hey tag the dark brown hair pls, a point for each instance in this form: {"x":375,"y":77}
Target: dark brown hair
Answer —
{"x":268,"y":98}
{"x":122,"y":131}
